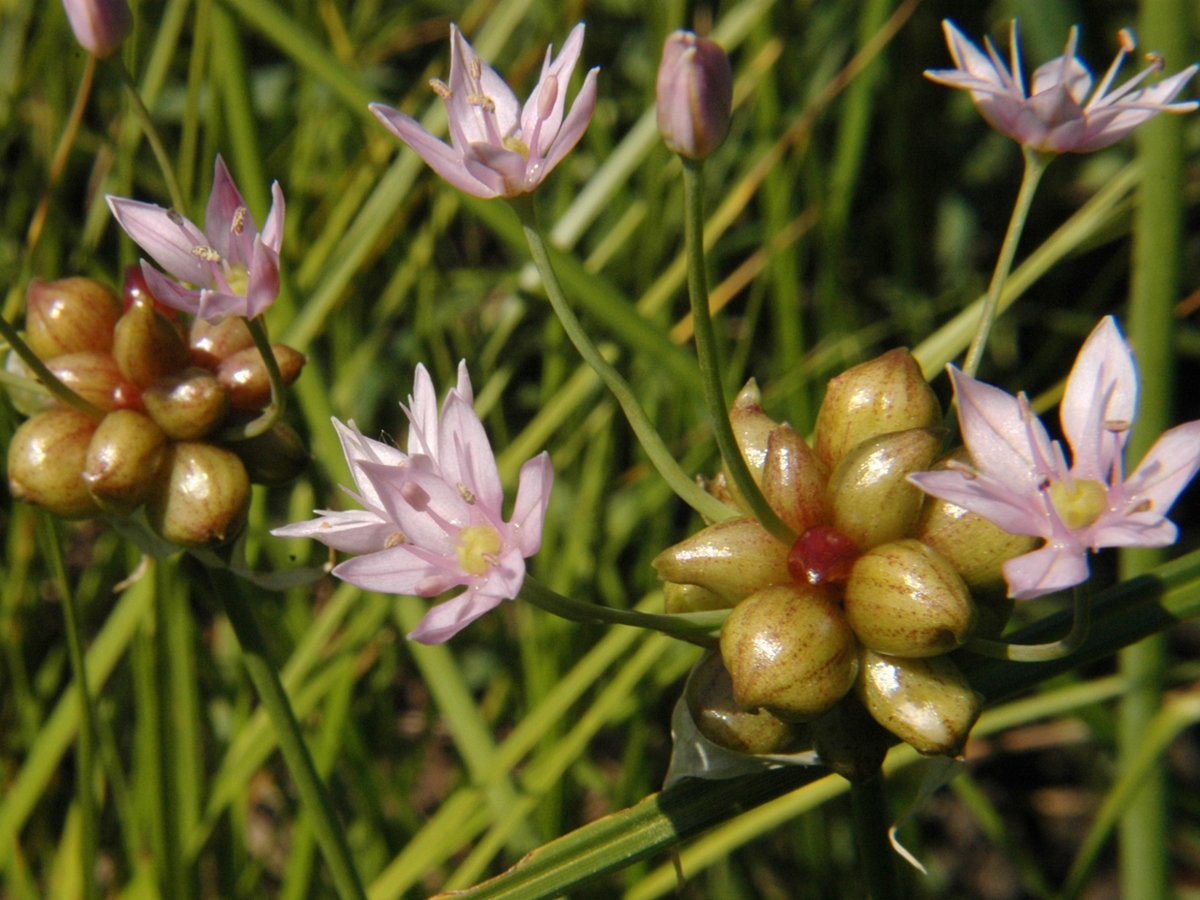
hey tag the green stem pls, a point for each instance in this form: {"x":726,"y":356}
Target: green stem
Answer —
{"x":85,"y":789}
{"x":44,"y":375}
{"x":876,"y":859}
{"x":269,"y":416}
{"x":706,"y":355}
{"x":322,"y":817}
{"x":699,"y":628}
{"x":1081,"y":624}
{"x":1035,"y":165}
{"x":690,"y":492}
{"x":152,"y":137}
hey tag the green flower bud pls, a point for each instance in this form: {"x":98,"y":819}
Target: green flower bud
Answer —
{"x":927,"y":703}
{"x":789,"y":650}
{"x":880,"y":396}
{"x":719,"y":718}
{"x":687,"y":598}
{"x":45,"y":463}
{"x":733,"y":558}
{"x":244,"y":375}
{"x":201,"y":498}
{"x":71,"y":315}
{"x":752,"y":430}
{"x":209,"y":344}
{"x":849,"y":741}
{"x":794,"y":480}
{"x":93,"y":376}
{"x":146,"y":344}
{"x":276,"y":457}
{"x":187,"y":405}
{"x":870,"y":498}
{"x":905,"y":599}
{"x":123,"y":461}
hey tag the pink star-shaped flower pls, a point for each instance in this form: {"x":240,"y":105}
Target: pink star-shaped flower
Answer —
{"x":497,"y":147}
{"x":1057,"y":116}
{"x":234,"y":268}
{"x":432,"y":517}
{"x":1021,"y":481}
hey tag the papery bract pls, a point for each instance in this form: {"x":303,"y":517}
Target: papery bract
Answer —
{"x":497,"y":147}
{"x":1020,"y":479}
{"x":234,"y":267}
{"x":1057,"y":115}
{"x":100,"y":26}
{"x":432,"y":517}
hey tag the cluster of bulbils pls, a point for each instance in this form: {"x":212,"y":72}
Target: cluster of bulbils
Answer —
{"x":860,"y":611}
{"x":166,"y":392}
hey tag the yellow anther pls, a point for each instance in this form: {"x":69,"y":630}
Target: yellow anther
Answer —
{"x":440,"y":88}
{"x":483,"y":101}
{"x":466,"y":494}
{"x":239,"y":220}
{"x":395,"y":539}
{"x":208,"y":254}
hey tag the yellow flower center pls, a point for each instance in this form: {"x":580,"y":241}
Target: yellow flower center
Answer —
{"x":516,"y":145}
{"x":1081,"y":505}
{"x":238,"y":279}
{"x":477,"y":548}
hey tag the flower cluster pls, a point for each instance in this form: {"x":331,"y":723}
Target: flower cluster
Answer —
{"x":432,"y":518}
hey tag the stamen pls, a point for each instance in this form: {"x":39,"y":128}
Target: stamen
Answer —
{"x":208,"y":254}
{"x":1117,"y":426}
{"x":483,"y":101}
{"x":1143,"y":507}
{"x":395,"y":539}
{"x":476,"y":67}
{"x":966,"y":470}
{"x":465,"y":493}
{"x":1128,"y":40}
{"x":440,"y":88}
{"x":237,"y":226}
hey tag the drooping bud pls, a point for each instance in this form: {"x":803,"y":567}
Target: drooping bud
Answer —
{"x":789,"y":649}
{"x":693,"y":95}
{"x":927,"y":703}
{"x":719,"y":718}
{"x":146,"y":344}
{"x":733,"y":558}
{"x":905,"y":599}
{"x":93,"y":376}
{"x":880,"y":396}
{"x":186,"y":405}
{"x":45,"y":463}
{"x":794,"y":479}
{"x":244,"y":376}
{"x":870,"y":498}
{"x":71,"y":315}
{"x":274,"y":457}
{"x":850,"y":741}
{"x":208,"y":344}
{"x":687,"y":598}
{"x":123,"y":461}
{"x":100,"y":26}
{"x":201,"y":498}
{"x":977,"y":548}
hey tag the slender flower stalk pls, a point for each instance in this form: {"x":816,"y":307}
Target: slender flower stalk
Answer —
{"x":152,"y":135}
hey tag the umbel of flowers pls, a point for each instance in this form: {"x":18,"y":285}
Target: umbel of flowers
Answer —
{"x":166,"y":390}
{"x":861,"y":610}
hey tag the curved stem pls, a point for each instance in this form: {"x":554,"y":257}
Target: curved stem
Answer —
{"x":1035,"y":165}
{"x":699,"y":628}
{"x":1080,"y":626}
{"x":152,"y":137}
{"x":84,"y":786}
{"x":868,"y":802}
{"x":690,"y":492}
{"x":321,"y":815}
{"x":706,"y":355}
{"x":44,"y":375}
{"x":269,"y":416}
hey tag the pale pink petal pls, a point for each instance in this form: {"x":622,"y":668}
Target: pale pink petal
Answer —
{"x":437,"y":155}
{"x":168,"y":292}
{"x":1001,"y":442}
{"x":969,"y":58}
{"x":1166,"y":470}
{"x":1078,"y":81}
{"x":1102,"y":388}
{"x":170,"y":243}
{"x":423,"y":415}
{"x":448,"y":618}
{"x":467,"y":457}
{"x":1127,"y":531}
{"x":501,"y":169}
{"x":223,"y":203}
{"x":996,"y":501}
{"x":503,"y":580}
{"x":533,"y":496}
{"x":573,"y":127}
{"x":397,"y":570}
{"x":533,"y":116}
{"x":478,"y":124}
{"x":408,"y":495}
{"x":272,"y":233}
{"x":358,"y":449}
{"x":351,"y":531}
{"x":1052,"y":568}
{"x":463,"y":386}
{"x":217,"y":305}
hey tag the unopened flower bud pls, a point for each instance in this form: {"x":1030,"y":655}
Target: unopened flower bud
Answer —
{"x":208,"y":344}
{"x":123,"y":461}
{"x":927,"y":703}
{"x":100,"y":26}
{"x":977,"y":548}
{"x":849,"y":741}
{"x":789,"y":649}
{"x":274,"y":457}
{"x":688,"y":598}
{"x":794,"y":479}
{"x":93,"y":376}
{"x":45,"y":463}
{"x":186,"y":405}
{"x":905,"y":599}
{"x":244,"y":375}
{"x":870,"y":498}
{"x":146,"y":344}
{"x":202,"y":496}
{"x":752,"y":430}
{"x":733,"y":558}
{"x":719,"y":718}
{"x":71,"y":315}
{"x":693,"y":95}
{"x":882,"y":395}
